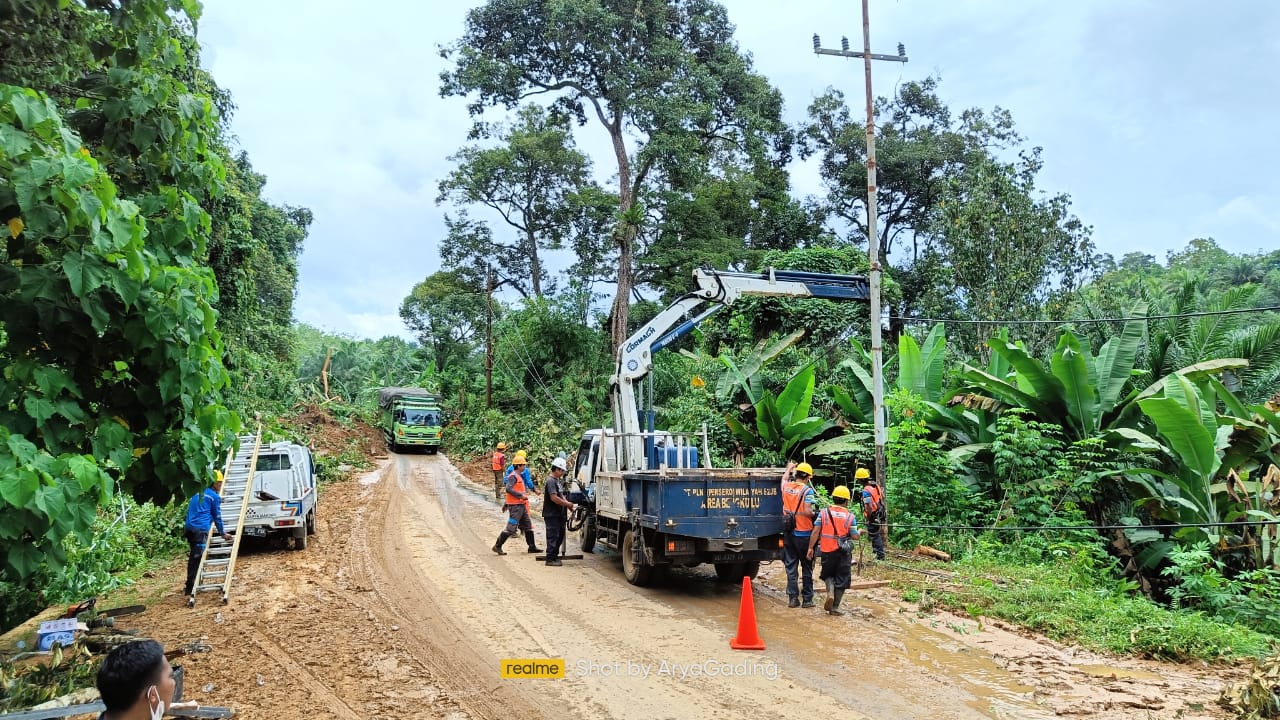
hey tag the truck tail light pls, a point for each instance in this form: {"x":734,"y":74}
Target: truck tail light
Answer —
{"x":286,"y":523}
{"x":679,"y":547}
{"x":780,"y":542}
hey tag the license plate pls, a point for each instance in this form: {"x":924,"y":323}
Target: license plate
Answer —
{"x":726,"y":557}
{"x":255,"y":532}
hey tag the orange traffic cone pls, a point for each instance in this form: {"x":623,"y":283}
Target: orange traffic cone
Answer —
{"x":748,"y":637}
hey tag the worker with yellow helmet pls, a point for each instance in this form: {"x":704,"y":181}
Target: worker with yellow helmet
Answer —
{"x":834,"y":531}
{"x":873,"y":513}
{"x":204,"y":510}
{"x":519,"y":485}
{"x":798,"y":512}
{"x":498,"y":463}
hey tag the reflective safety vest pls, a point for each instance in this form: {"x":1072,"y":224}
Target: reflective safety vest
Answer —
{"x":872,"y":499}
{"x":793,"y":502}
{"x":838,"y":523}
{"x":519,"y":487}
{"x":499,"y":461}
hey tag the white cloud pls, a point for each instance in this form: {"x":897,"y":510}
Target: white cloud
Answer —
{"x":1156,"y":117}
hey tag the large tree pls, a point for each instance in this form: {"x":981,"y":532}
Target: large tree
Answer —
{"x":446,"y":312}
{"x":663,"y":76}
{"x":539,"y":184}
{"x":960,"y":216}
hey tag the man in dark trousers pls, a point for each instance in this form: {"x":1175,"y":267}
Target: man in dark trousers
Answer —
{"x":555,"y":511}
{"x":519,"y":484}
{"x":872,"y":510}
{"x":203,"y":511}
{"x":797,"y":505}
{"x":836,"y":523}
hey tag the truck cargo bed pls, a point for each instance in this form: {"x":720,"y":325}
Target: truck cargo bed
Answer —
{"x":705,"y":502}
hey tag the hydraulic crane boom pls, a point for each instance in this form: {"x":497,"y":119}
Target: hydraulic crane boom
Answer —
{"x":719,"y":289}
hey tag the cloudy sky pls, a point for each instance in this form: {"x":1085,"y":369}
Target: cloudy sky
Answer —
{"x":1158,"y":117}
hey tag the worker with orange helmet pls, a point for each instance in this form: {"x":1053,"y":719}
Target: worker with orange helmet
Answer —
{"x":834,"y":531}
{"x":204,"y":511}
{"x":519,"y":484}
{"x":498,"y":463}
{"x":798,"y":514}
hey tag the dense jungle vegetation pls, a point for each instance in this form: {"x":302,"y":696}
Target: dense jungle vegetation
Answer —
{"x":146,"y":291}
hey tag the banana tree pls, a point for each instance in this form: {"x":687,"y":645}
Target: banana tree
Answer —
{"x":920,"y":370}
{"x":783,"y":422}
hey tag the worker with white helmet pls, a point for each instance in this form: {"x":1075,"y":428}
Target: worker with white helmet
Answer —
{"x":555,"y":510}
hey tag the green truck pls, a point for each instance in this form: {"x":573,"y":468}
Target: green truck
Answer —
{"x":411,"y":418}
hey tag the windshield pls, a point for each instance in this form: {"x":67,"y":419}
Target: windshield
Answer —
{"x":421,"y":418}
{"x":272,"y":462}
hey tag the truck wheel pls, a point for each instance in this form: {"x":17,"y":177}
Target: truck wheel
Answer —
{"x":735,"y":571}
{"x":636,"y":570}
{"x":311,"y":523}
{"x":432,"y":450}
{"x":589,"y":535}
{"x":300,"y":539}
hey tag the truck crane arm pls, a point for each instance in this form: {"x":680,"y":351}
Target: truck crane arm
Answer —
{"x":719,"y":289}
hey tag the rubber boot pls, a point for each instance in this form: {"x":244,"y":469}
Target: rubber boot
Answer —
{"x":835,"y":607}
{"x":533,"y":547}
{"x":831,"y":595}
{"x":497,"y":546}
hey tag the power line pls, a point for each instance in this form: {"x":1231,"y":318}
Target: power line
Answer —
{"x":1037,"y":528}
{"x":1086,"y":321}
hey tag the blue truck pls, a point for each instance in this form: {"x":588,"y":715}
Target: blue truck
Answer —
{"x":653,"y":495}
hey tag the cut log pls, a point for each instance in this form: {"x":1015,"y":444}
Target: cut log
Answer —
{"x":933,"y":553}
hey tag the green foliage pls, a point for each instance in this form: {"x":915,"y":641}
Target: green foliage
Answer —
{"x":28,"y":684}
{"x":1072,"y":597}
{"x":110,"y":352}
{"x":783,"y":424}
{"x":1249,"y":598}
{"x":922,"y":487}
{"x":447,"y":312}
{"x":540,"y":184}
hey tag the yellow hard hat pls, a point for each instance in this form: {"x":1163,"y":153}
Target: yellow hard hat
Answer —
{"x":841,"y":492}
{"x":217,"y":476}
{"x":862,"y":474}
{"x":502,"y":446}
{"x":805,"y":468}
{"x":520,"y":458}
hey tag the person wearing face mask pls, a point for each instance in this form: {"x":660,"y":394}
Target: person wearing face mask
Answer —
{"x":136,"y":682}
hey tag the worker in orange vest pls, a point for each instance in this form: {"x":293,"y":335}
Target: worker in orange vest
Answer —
{"x":872,"y":510}
{"x":834,"y":531}
{"x":498,"y":463}
{"x":517,"y":505}
{"x":798,"y":513}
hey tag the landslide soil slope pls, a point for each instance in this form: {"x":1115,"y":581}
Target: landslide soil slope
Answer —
{"x":398,"y":609}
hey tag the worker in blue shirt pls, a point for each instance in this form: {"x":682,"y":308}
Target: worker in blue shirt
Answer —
{"x":203,"y":510}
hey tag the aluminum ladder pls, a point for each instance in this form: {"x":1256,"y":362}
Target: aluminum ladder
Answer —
{"x":218,"y":563}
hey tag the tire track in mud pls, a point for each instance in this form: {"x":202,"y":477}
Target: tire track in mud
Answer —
{"x":377,"y":566}
{"x":335,"y":704}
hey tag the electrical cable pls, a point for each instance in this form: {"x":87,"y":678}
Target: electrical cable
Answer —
{"x":527,"y":362}
{"x":1087,"y":321}
{"x":1148,"y":526}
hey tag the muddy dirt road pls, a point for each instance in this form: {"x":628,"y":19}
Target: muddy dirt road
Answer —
{"x":398,"y":609}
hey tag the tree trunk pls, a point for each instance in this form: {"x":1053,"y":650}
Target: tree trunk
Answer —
{"x":624,"y":235}
{"x":535,"y":264}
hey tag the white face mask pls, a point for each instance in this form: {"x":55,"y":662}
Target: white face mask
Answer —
{"x":157,"y":712}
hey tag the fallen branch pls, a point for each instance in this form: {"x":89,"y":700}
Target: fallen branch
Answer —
{"x":935,"y":553}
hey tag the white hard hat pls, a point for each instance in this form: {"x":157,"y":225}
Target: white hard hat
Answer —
{"x":559,"y":463}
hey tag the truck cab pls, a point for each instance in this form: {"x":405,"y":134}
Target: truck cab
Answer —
{"x":411,"y":418}
{"x":282,"y":499}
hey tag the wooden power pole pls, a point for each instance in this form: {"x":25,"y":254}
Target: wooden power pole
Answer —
{"x":873,"y":235}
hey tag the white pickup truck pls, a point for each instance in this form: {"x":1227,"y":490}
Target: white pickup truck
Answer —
{"x":283,"y":497}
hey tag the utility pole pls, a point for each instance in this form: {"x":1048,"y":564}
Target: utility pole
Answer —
{"x":488,"y":339}
{"x":873,"y":235}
